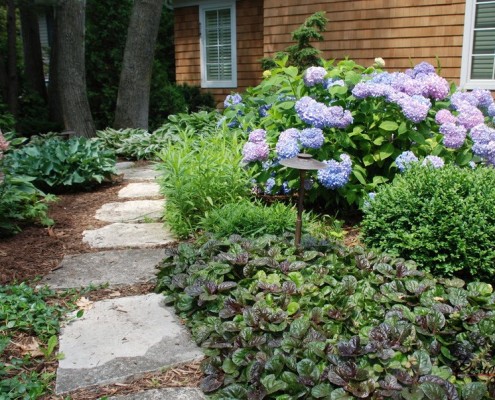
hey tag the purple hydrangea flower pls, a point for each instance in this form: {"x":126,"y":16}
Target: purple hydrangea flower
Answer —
{"x":436,"y":87}
{"x":453,"y":135}
{"x":257,"y":136}
{"x":287,"y":148}
{"x":484,"y":97}
{"x":255,"y":152}
{"x":320,"y":116}
{"x":232,"y":100}
{"x":482,"y":133}
{"x":336,"y":174}
{"x":445,"y":116}
{"x":421,"y":69}
{"x":414,"y":108}
{"x":491,"y":110}
{"x":433,"y":161}
{"x":314,"y":75}
{"x":469,"y":116}
{"x":339,"y":118}
{"x":312,"y":138}
{"x":361,"y":90}
{"x":405,"y":159}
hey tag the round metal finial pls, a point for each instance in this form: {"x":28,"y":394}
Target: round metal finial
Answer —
{"x":303,"y":161}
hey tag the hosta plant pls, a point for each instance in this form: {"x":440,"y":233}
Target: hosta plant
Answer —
{"x":358,"y":120}
{"x":326,"y":322}
{"x":56,"y":164}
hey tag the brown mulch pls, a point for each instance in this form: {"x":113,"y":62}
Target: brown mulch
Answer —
{"x":37,"y":250}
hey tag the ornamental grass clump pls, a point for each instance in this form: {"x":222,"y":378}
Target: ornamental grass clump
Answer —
{"x":343,"y":110}
{"x":441,"y":217}
{"x":326,"y":322}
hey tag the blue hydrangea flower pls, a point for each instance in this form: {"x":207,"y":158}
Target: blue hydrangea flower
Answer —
{"x":289,"y":134}
{"x":444,"y":116}
{"x":263,"y":110}
{"x":433,"y":161}
{"x":255,"y":152}
{"x":312,"y":138}
{"x":287,"y":148}
{"x":232,"y":100}
{"x":270,"y":183}
{"x":484,"y":97}
{"x":336,"y":174}
{"x":491,"y":110}
{"x":459,"y":99}
{"x":314,"y":75}
{"x":453,"y":135}
{"x":361,"y":90}
{"x":404,"y":160}
{"x":285,"y":188}
{"x":333,"y":82}
{"x":257,"y":136}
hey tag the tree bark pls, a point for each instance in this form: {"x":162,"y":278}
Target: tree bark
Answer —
{"x":54,"y":105}
{"x":70,"y":68}
{"x":135,"y":79}
{"x":13,"y":78}
{"x":33,"y":60}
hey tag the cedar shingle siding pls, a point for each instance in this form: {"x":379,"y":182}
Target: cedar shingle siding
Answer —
{"x":402,"y":32}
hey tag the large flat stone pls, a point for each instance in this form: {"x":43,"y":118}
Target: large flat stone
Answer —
{"x":120,"y":339}
{"x":121,"y":166}
{"x":120,"y":235}
{"x":140,"y":189}
{"x":131,"y":211}
{"x":141,"y":173}
{"x":117,"y":268}
{"x":164,"y":394}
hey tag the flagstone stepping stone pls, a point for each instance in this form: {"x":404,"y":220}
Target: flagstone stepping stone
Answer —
{"x":121,"y":166}
{"x":131,"y":211}
{"x":141,"y":173}
{"x":120,"y":339}
{"x":121,"y":235}
{"x":140,"y":189}
{"x":164,"y":394}
{"x":115,"y":267}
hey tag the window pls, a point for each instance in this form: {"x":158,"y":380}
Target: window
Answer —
{"x":478,"y":54}
{"x":218,"y":45}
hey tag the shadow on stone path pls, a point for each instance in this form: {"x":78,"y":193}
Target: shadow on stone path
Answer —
{"x":120,"y":339}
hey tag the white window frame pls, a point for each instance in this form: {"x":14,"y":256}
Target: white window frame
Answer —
{"x":211,"y":6}
{"x":467,"y":51}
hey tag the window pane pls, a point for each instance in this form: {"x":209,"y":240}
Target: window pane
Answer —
{"x":484,"y":42}
{"x":218,"y":43}
{"x":482,"y":68}
{"x":485,"y":16}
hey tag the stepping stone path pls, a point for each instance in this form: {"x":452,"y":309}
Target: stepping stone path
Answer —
{"x":120,"y":339}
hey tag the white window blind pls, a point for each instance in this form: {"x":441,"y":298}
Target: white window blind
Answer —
{"x":218,"y":46}
{"x":478,"y":68}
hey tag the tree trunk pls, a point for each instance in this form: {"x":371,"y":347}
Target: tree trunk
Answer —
{"x":33,"y":60}
{"x":70,"y":68}
{"x":135,"y":79}
{"x":54,"y":105}
{"x":13,"y":79}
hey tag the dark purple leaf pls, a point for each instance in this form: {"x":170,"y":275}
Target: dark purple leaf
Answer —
{"x":289,"y":287}
{"x":196,"y":289}
{"x":225,"y":286}
{"x":269,"y":287}
{"x":255,"y":371}
{"x":180,"y":280}
{"x":256,"y":394}
{"x":314,"y":336}
{"x":448,"y":387}
{"x":476,"y":317}
{"x":211,"y":287}
{"x":404,"y":377}
{"x":443,"y":308}
{"x":390,"y":383}
{"x":211,"y":383}
{"x":241,"y":259}
{"x":335,"y":378}
{"x":350,"y":348}
{"x":361,"y":390}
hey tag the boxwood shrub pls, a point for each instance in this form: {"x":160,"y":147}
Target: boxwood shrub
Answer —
{"x":441,"y":218}
{"x":328,"y":322}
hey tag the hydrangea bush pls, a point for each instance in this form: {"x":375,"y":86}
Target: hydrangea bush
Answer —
{"x":358,"y":121}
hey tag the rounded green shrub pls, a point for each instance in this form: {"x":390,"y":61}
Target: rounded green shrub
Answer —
{"x":441,"y":218}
